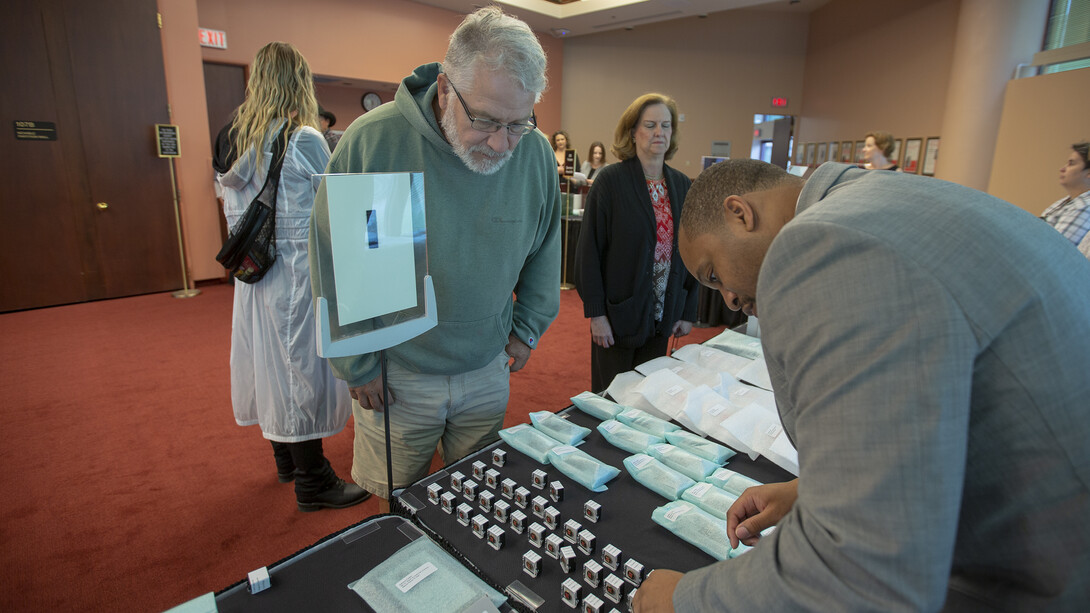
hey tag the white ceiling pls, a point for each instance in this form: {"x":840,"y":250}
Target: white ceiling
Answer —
{"x":593,"y":16}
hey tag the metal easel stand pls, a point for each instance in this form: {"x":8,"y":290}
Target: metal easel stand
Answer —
{"x":564,"y":285}
{"x":186,"y":291}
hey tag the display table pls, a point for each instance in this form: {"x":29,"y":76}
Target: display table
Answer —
{"x":625,"y":520}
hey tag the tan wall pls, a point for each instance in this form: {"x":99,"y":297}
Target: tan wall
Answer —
{"x":1042,"y":118}
{"x":344,"y":101}
{"x":877,"y":66}
{"x":372,"y":40}
{"x":721,"y":70}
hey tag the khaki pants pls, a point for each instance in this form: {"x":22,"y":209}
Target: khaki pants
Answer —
{"x":460,"y":414}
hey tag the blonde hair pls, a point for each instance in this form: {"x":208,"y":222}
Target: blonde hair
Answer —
{"x":884,"y":141}
{"x":624,"y":145}
{"x":281,"y":86}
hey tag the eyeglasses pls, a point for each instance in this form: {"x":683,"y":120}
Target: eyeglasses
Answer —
{"x":487,"y":125}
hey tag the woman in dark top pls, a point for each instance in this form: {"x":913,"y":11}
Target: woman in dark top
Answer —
{"x":596,"y":160}
{"x":635,"y":288}
{"x":877,"y":149}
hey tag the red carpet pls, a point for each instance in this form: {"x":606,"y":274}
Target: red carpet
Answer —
{"x":129,"y":486}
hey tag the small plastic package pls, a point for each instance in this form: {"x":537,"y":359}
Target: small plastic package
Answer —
{"x":730,"y":481}
{"x":694,"y":467}
{"x":709,"y":498}
{"x":738,"y":344}
{"x":626,"y":437}
{"x":646,"y":423}
{"x":695,"y":526}
{"x":529,"y":441}
{"x":558,"y":428}
{"x":582,"y":467}
{"x":422,"y":578}
{"x":594,"y":405}
{"x":709,"y":450}
{"x":657,"y":477}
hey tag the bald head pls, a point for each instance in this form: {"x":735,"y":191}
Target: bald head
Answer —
{"x":703,"y":209}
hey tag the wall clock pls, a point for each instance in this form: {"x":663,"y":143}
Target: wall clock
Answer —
{"x":370,"y":100}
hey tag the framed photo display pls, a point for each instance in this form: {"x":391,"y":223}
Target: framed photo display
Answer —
{"x":822,"y":153}
{"x":834,"y":151}
{"x":859,"y":152}
{"x":846,"y":152}
{"x":897,"y":148}
{"x":810,"y":150}
{"x":930,"y":156}
{"x":800,"y":153}
{"x":912,"y":155}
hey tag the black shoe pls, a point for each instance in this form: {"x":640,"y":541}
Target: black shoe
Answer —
{"x":339,"y":495}
{"x":287,"y":477}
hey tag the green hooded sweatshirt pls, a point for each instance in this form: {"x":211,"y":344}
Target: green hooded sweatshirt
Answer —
{"x":490,"y":238}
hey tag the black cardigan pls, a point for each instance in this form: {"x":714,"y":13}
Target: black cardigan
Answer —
{"x":616,"y":253}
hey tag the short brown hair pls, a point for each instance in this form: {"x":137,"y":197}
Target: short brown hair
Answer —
{"x":624,"y":146}
{"x":884,"y":140}
{"x":1083,"y":149}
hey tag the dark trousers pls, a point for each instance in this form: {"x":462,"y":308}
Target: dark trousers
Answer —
{"x":608,"y":363}
{"x":313,"y":474}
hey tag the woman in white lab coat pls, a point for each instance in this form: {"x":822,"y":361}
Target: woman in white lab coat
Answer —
{"x":277,"y":379}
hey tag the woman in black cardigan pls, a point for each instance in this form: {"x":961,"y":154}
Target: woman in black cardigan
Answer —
{"x":635,"y":288}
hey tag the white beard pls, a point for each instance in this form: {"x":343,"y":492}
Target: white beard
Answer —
{"x":490,"y":164}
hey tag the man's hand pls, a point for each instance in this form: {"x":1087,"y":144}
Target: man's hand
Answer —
{"x":656,"y":593}
{"x":601,"y":332}
{"x":759,"y":508}
{"x":519,"y":352}
{"x":369,"y":395}
{"x":682,"y":327}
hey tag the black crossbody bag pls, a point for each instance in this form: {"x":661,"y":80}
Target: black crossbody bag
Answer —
{"x":250,"y":249}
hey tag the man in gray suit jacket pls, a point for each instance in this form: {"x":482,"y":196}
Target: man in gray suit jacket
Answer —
{"x":929,"y":348}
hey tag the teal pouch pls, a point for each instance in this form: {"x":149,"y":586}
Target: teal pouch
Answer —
{"x":656,"y":476}
{"x":626,"y":437}
{"x":594,"y":405}
{"x":422,"y":578}
{"x":709,"y":498}
{"x":695,"y":527}
{"x":694,"y":467}
{"x":730,"y":481}
{"x":647,"y":423}
{"x":558,"y":428}
{"x":697,"y":446}
{"x":584,"y":468}
{"x":529,"y":441}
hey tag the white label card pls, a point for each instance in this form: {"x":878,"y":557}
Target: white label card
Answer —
{"x":630,"y":413}
{"x":611,"y":426}
{"x":641,"y":461}
{"x":676,"y":512}
{"x":563,"y":449}
{"x":717,"y":409}
{"x":673,"y":391}
{"x":700,"y":489}
{"x":773,"y":430}
{"x":418,"y":575}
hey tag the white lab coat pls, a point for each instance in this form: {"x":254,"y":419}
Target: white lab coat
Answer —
{"x":277,"y":379}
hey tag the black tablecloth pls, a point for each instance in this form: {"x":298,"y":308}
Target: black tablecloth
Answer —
{"x":625,"y":518}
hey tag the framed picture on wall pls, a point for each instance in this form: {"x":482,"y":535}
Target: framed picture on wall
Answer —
{"x":822,"y":152}
{"x":912,"y":155}
{"x":834,"y":151}
{"x":846,"y":152}
{"x":800,"y":153}
{"x":930,"y":156}
{"x":810,"y":149}
{"x":859,"y":152}
{"x":896,"y":157}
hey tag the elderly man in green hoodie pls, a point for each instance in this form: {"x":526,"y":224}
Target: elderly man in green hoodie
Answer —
{"x":493,"y":246}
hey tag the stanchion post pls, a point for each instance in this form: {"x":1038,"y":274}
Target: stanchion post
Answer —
{"x":564,"y":256}
{"x":186,"y":291}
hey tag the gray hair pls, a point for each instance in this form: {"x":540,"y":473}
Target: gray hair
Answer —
{"x":703,"y":210}
{"x":500,"y":41}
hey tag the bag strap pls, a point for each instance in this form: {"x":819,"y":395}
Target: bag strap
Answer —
{"x":269,"y":190}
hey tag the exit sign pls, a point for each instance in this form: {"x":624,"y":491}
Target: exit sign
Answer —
{"x":779,"y":102}
{"x":216,"y":39}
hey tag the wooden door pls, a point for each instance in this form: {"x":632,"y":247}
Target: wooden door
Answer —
{"x":90,"y":215}
{"x":224,"y":91}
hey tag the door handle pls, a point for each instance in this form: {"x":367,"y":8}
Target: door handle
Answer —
{"x":102,"y":206}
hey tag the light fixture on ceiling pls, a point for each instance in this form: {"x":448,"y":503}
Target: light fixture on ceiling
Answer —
{"x":560,"y":32}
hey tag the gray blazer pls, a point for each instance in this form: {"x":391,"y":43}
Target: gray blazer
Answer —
{"x":929,"y":347}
